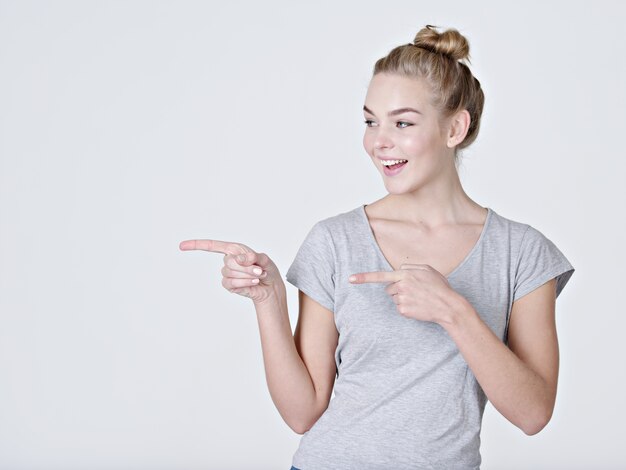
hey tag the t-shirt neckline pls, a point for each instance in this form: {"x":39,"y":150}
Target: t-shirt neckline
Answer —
{"x":456,"y":269}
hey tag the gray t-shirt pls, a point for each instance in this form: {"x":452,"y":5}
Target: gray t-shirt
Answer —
{"x":404,"y":397}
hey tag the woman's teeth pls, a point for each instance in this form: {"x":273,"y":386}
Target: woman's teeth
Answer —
{"x":392,"y":162}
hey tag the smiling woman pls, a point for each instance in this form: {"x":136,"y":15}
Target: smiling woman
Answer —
{"x":417,"y":308}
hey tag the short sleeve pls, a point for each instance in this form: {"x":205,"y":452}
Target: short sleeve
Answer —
{"x":540,"y":261}
{"x":313,"y":269}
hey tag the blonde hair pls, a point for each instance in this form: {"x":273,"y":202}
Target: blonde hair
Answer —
{"x":440,"y":58}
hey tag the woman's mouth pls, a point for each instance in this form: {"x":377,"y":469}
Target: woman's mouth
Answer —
{"x":393,"y":167}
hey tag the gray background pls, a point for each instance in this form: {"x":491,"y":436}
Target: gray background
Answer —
{"x":126,"y":127}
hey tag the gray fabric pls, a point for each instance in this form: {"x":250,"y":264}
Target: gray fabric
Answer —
{"x":404,"y":397}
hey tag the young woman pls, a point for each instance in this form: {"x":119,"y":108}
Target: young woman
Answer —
{"x":417,"y":308}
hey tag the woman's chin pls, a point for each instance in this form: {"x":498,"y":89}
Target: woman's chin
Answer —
{"x":396,"y":189}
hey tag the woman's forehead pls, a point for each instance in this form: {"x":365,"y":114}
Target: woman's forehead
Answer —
{"x":392,"y":91}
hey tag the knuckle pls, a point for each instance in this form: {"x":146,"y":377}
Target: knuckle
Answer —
{"x":232,"y":246}
{"x":416,"y":275}
{"x":231,"y":262}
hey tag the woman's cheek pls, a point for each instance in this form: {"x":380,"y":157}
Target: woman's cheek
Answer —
{"x":368,"y":143}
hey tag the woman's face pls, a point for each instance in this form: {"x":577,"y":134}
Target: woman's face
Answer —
{"x":403,"y":124}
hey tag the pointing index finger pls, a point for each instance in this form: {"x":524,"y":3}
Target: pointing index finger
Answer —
{"x":375,"y":276}
{"x":216,"y":246}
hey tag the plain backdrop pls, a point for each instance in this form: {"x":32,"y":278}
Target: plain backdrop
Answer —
{"x":127,"y":127}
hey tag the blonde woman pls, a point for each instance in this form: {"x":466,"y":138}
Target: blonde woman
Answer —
{"x":417,"y":308}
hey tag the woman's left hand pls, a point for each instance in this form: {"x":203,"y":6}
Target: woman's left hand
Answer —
{"x":418,"y":290}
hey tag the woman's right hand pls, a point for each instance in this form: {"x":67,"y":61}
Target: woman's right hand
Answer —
{"x":240,"y":262}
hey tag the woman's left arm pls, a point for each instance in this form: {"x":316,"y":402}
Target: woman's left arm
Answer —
{"x":519,"y":380}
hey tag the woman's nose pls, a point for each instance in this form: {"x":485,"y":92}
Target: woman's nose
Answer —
{"x":382,"y":139}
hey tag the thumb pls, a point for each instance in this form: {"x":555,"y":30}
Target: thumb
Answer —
{"x":246,"y":259}
{"x":414,"y":266}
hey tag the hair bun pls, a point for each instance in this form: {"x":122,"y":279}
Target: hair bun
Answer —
{"x":450,"y":42}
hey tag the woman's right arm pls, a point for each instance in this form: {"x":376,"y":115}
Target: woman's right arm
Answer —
{"x":300,"y":368}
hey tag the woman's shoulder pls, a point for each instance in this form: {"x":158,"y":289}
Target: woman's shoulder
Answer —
{"x":517,"y":235}
{"x":536,"y":258}
{"x":344,"y":220}
{"x":512,"y":224}
{"x":506,"y":227}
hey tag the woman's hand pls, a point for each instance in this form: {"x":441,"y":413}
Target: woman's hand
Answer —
{"x":418,"y":290}
{"x":245,"y":271}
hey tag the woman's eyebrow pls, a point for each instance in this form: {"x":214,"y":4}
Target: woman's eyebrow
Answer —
{"x":395,"y":111}
{"x":403,"y":110}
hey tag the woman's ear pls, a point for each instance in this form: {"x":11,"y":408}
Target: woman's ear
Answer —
{"x":459,"y":125}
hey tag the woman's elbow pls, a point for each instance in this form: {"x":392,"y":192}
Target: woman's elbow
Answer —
{"x":300,"y":427}
{"x":303,"y":417}
{"x":303,"y":423}
{"x":535,"y":422}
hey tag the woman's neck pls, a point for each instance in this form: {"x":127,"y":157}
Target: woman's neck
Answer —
{"x":441,"y":203}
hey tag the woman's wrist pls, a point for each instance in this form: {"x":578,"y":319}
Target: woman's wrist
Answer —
{"x":459,"y":310}
{"x":276,"y":297}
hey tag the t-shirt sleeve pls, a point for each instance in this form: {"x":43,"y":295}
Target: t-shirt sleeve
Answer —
{"x":540,"y":261}
{"x":313,"y":269}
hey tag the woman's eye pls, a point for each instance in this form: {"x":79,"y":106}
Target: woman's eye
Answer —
{"x":403,"y":124}
{"x":369,"y":123}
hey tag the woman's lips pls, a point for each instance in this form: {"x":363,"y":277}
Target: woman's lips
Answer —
{"x":393,"y":169}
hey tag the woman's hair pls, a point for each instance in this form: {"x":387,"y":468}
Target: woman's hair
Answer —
{"x":439,"y":59}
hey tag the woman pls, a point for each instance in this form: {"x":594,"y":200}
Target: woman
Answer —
{"x":416,"y":308}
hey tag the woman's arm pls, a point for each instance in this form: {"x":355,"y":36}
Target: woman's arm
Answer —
{"x":520,"y":382}
{"x":300,"y":369}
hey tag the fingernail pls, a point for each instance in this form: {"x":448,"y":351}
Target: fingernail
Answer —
{"x":257,"y":271}
{"x":352,"y":278}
